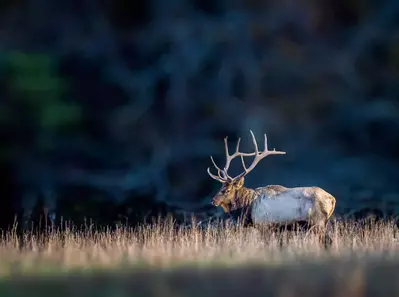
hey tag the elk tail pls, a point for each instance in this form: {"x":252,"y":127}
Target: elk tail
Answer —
{"x":332,"y":206}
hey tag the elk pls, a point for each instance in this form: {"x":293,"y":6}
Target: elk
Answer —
{"x":271,"y":204}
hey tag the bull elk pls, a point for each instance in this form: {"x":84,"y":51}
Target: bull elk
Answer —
{"x":272,"y":204}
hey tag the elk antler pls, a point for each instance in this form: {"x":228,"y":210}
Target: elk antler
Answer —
{"x":258,"y":156}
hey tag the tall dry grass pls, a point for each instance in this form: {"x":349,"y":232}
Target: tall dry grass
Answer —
{"x":163,"y":244}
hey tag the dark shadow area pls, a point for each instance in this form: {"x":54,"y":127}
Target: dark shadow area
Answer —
{"x":110,"y":110}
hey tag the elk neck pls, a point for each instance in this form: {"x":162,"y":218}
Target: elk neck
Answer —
{"x":244,"y":197}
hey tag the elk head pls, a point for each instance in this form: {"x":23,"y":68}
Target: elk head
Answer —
{"x":227,"y":194}
{"x":232,"y":187}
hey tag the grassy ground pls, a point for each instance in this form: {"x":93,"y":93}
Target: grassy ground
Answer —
{"x":162,"y":260}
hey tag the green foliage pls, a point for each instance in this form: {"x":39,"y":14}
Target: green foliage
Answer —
{"x":59,"y":113}
{"x":33,"y":77}
{"x":35,"y":83}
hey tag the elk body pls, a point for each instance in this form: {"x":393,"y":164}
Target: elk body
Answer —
{"x":272,"y":204}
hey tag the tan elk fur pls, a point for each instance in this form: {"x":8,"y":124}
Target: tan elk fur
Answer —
{"x":272,"y":203}
{"x":277,"y":204}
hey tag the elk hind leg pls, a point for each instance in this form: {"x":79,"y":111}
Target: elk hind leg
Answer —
{"x":324,"y":237}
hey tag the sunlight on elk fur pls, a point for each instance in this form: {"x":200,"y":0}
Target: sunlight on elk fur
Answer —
{"x":272,"y":203}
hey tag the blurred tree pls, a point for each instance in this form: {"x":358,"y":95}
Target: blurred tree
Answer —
{"x":126,"y":15}
{"x":35,"y":83}
{"x":119,"y":96}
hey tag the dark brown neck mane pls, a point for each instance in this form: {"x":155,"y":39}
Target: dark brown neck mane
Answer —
{"x":242,"y":199}
{"x":240,"y":207}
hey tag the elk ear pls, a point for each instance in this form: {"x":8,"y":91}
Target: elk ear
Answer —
{"x":240,"y":183}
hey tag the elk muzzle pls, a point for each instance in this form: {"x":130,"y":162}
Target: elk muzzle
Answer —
{"x":218,"y":201}
{"x":215,"y":202}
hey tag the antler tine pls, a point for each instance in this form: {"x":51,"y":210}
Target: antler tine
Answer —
{"x":256,"y":153}
{"x":236,"y":154}
{"x":255,"y":143}
{"x":219,"y":170}
{"x":226,"y":150}
{"x":243,"y":163}
{"x":238,"y":144}
{"x":229,"y":157}
{"x":218,"y":178}
{"x":223,"y":175}
{"x":266,"y":151}
{"x":258,"y":156}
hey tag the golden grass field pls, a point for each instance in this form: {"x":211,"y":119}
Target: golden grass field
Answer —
{"x":161,"y":259}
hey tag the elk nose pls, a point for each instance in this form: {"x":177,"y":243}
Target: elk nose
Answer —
{"x":213,"y":202}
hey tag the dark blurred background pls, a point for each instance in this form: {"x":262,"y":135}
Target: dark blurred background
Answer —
{"x":110,"y":109}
